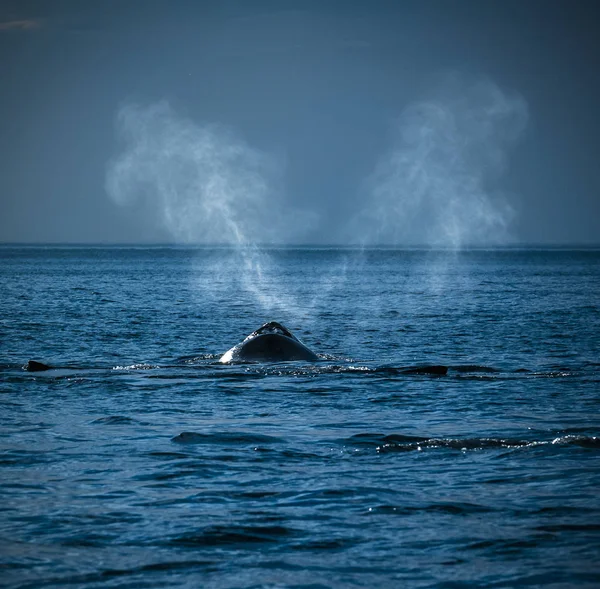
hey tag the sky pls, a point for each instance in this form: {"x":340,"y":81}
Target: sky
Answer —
{"x":438,"y":122}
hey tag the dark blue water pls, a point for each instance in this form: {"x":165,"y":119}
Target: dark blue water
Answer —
{"x":140,"y":461}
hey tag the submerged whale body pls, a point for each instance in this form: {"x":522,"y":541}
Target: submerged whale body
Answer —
{"x":270,"y":343}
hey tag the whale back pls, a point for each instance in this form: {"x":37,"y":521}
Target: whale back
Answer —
{"x":272,"y":342}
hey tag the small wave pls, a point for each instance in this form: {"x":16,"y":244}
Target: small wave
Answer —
{"x":449,"y":508}
{"x":433,"y":370}
{"x":504,"y":546}
{"x":400,"y":443}
{"x":177,"y":565}
{"x":296,"y":369}
{"x":196,"y":358}
{"x":461,"y":444}
{"x":569,"y":527}
{"x":548,"y":374}
{"x":167,"y":455}
{"x":180,"y":470}
{"x":224,"y":438}
{"x":375,"y":439}
{"x":136,"y":367}
{"x":557,"y":510}
{"x":24,"y":458}
{"x":385,"y":370}
{"x":253,"y":494}
{"x":326,"y":544}
{"x":288,"y":454}
{"x":489,"y":372}
{"x":116,"y":420}
{"x":104,"y":576}
{"x":226,"y":535}
{"x":581,"y":441}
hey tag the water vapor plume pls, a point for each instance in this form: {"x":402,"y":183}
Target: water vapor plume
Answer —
{"x":437,"y":184}
{"x":203,"y":183}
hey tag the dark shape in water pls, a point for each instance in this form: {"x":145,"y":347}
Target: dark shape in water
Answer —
{"x":435,"y":370}
{"x":35,"y":366}
{"x":270,"y":343}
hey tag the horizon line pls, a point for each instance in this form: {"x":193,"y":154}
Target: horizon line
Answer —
{"x":387,"y":246}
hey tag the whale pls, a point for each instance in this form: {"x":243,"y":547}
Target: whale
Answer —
{"x":35,"y":366}
{"x":272,"y":342}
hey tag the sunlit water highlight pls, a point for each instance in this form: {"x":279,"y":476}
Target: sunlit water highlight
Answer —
{"x":140,"y":461}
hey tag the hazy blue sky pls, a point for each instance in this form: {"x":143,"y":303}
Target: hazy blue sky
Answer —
{"x":331,"y":102}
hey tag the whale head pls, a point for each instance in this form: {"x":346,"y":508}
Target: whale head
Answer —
{"x":272,"y":342}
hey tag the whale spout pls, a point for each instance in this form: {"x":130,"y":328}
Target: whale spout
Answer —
{"x":272,"y":342}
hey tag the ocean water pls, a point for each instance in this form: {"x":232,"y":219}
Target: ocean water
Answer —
{"x":141,"y":461}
